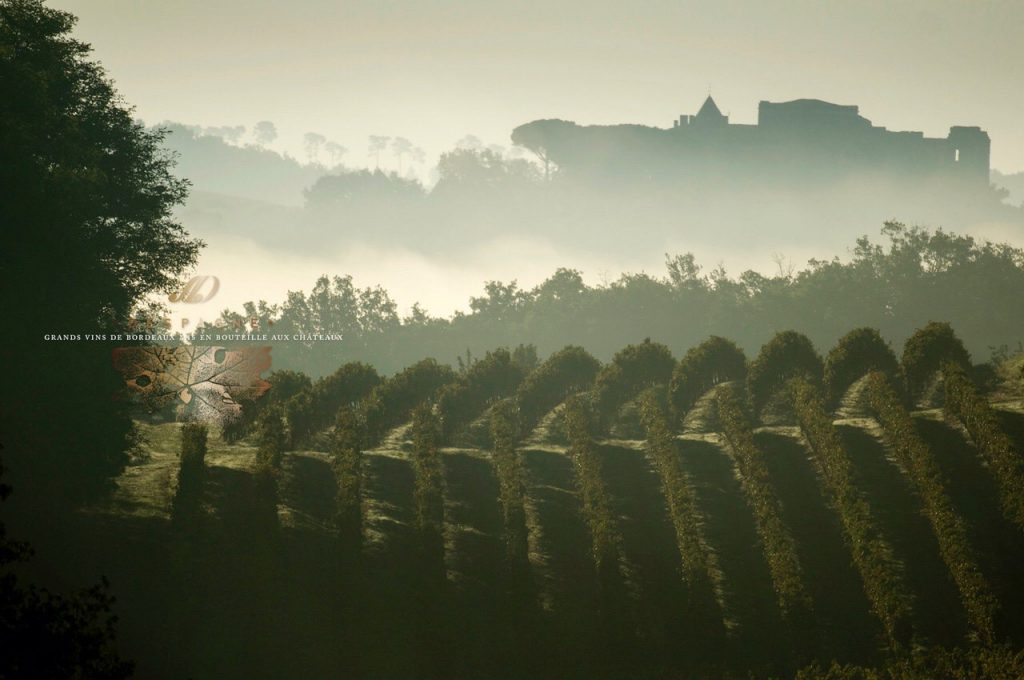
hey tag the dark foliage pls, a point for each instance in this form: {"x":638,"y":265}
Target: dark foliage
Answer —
{"x":191,"y":472}
{"x":511,"y":482}
{"x":788,"y":355}
{"x":347,"y":456}
{"x":391,"y":402}
{"x":882,"y":575}
{"x":494,"y":377}
{"x":632,"y":370}
{"x":713,"y":361}
{"x":949,"y":527}
{"x":751,"y":467}
{"x":87,"y":226}
{"x":314,"y":408}
{"x":565,"y":372}
{"x":47,"y":635}
{"x":912,"y":276}
{"x":927,"y":350}
{"x":1006,"y":464}
{"x":857,"y":353}
{"x":283,"y":386}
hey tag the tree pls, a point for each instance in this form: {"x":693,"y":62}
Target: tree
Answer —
{"x":786,"y":356}
{"x":401,"y":146}
{"x":265,"y":132}
{"x":714,"y":361}
{"x":632,"y":369}
{"x":312,"y":142}
{"x":378,"y":143}
{"x":191,"y":471}
{"x":87,"y":200}
{"x":927,"y":350}
{"x":335,"y":151}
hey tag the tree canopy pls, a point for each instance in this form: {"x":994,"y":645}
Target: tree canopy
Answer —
{"x":86,"y":208}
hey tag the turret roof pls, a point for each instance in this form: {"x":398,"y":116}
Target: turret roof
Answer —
{"x":709,"y":108}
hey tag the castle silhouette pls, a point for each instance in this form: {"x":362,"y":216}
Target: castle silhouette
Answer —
{"x":806,"y":140}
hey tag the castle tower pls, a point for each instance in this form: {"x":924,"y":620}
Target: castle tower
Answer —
{"x":710,"y":115}
{"x":971,"y":151}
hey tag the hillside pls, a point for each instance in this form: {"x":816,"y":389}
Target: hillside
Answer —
{"x":240,"y":597}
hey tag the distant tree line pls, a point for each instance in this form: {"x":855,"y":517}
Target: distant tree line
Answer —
{"x":918,"y":276}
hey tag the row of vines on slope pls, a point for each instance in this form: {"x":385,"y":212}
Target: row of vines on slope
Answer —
{"x":881,"y":574}
{"x":700,"y":568}
{"x":949,"y":528}
{"x":965,"y":403}
{"x":779,"y":545}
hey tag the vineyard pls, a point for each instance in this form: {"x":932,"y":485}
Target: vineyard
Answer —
{"x":649,"y":517}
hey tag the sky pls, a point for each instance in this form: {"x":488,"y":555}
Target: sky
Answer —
{"x":434,"y":71}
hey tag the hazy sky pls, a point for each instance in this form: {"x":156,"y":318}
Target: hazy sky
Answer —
{"x":434,"y":71}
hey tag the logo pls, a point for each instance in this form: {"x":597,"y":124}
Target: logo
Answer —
{"x":199,"y":289}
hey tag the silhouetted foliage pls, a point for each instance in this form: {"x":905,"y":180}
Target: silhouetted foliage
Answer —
{"x":347,"y":444}
{"x":927,"y":350}
{"x":1000,"y":662}
{"x":633,"y":369}
{"x":786,"y":356}
{"x":565,"y":372}
{"x":494,"y":377}
{"x":713,"y":361}
{"x":313,"y":409}
{"x":426,"y":435}
{"x":918,"y":275}
{"x":511,"y":484}
{"x":283,"y":386}
{"x":47,"y":635}
{"x":88,"y":193}
{"x":191,"y":472}
{"x":857,"y":353}
{"x":391,"y":402}
{"x":273,"y":439}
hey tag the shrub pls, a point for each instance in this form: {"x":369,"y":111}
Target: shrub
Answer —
{"x":857,"y":353}
{"x":508,"y":469}
{"x":493,"y":377}
{"x":596,"y":502}
{"x":193,"y":451}
{"x":347,"y":459}
{"x":633,"y":369}
{"x":779,"y":545}
{"x":787,"y":355}
{"x":283,"y":386}
{"x":567,"y":371}
{"x":998,"y":662}
{"x":1005,"y":464}
{"x":269,"y":456}
{"x":315,"y":408}
{"x":926,"y":477}
{"x":192,"y":470}
{"x":429,"y":485}
{"x":391,"y":402}
{"x":713,"y":361}
{"x":880,"y":573}
{"x":700,"y":570}
{"x":926,"y":351}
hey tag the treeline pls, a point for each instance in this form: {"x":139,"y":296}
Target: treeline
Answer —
{"x":917,"y":276}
